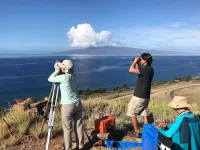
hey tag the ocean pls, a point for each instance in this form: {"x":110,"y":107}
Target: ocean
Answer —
{"x":25,"y":76}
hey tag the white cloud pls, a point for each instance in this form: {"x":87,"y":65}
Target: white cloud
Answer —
{"x":196,"y":17}
{"x":85,"y":36}
{"x":176,"y":24}
{"x":162,"y":37}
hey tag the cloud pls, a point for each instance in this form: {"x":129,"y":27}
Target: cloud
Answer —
{"x":162,"y":37}
{"x":176,"y":24}
{"x":196,"y":17}
{"x":85,"y":36}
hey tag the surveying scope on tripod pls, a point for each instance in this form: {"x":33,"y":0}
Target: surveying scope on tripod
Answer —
{"x":50,"y":109}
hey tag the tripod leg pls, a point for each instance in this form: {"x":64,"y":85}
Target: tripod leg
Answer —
{"x":88,"y":137}
{"x":52,"y":114}
{"x":48,"y":139}
{"x":47,"y":110}
{"x":55,"y":103}
{"x":43,"y":121}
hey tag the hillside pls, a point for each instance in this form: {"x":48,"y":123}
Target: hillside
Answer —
{"x":108,"y":50}
{"x":24,"y":135}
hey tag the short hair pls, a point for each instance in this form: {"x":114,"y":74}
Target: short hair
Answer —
{"x":71,"y":71}
{"x":147,"y":57}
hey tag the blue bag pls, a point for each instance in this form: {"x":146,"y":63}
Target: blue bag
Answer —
{"x":149,"y":137}
{"x":149,"y":140}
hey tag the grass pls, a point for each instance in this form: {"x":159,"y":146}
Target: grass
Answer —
{"x":3,"y":130}
{"x":159,"y":107}
{"x":193,"y":97}
{"x":19,"y":121}
{"x":161,"y":111}
{"x":114,"y":104}
{"x":36,"y":126}
{"x":96,"y":108}
{"x":118,"y":108}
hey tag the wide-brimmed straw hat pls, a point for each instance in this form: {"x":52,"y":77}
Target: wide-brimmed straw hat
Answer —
{"x":179,"y":102}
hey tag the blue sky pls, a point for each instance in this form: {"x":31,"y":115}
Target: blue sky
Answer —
{"x":56,"y":25}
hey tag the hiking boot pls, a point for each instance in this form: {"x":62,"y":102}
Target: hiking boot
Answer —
{"x":136,"y":134}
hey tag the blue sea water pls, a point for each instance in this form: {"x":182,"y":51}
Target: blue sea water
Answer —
{"x":26,"y":76}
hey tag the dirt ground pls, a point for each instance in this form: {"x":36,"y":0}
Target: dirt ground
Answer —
{"x":190,"y":88}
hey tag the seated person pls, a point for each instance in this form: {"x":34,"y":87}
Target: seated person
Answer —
{"x":185,"y":131}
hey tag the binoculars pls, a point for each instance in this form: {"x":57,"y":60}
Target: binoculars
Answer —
{"x":138,"y":59}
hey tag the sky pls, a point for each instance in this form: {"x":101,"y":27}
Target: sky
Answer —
{"x":57,"y":25}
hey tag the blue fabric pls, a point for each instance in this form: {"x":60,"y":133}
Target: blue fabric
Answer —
{"x":149,"y":137}
{"x":185,"y":133}
{"x":122,"y":145}
{"x":194,"y":124}
{"x":174,"y":133}
{"x":149,"y":140}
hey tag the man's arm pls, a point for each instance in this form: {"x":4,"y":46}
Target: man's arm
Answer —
{"x":134,"y":67}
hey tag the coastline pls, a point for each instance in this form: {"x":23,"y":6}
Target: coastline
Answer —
{"x":93,"y":93}
{"x":96,"y":106}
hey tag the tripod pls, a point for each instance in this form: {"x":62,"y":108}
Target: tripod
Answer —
{"x":51,"y":108}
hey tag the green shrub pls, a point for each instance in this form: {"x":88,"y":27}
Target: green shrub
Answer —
{"x":80,"y":91}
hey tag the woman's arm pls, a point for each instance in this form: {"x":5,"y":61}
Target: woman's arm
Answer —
{"x":172,"y":128}
{"x":168,"y":126}
{"x":56,"y":79}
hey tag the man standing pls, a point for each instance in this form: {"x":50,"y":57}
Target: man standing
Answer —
{"x":140,"y":100}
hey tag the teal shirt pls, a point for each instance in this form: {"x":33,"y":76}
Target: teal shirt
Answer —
{"x":68,"y":87}
{"x":174,"y":133}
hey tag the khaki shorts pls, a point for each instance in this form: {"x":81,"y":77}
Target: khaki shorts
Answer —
{"x":138,"y":106}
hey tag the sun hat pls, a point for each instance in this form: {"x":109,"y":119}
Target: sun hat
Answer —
{"x":66,"y":65}
{"x":179,"y":102}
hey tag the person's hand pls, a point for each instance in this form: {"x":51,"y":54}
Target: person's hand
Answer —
{"x":162,"y":125}
{"x":136,"y":60}
{"x":57,"y":67}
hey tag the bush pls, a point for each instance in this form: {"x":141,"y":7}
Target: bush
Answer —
{"x":177,"y":78}
{"x":187,"y":78}
{"x":87,"y":91}
{"x":157,"y":83}
{"x":80,"y":91}
{"x":124,"y":86}
{"x":99,"y":90}
{"x":116,"y":88}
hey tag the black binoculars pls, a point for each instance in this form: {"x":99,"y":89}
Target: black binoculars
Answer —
{"x":138,"y":59}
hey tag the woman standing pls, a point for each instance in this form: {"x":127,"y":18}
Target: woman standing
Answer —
{"x":71,"y":108}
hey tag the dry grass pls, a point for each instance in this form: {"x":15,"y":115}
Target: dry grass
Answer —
{"x":117,"y":106}
{"x":193,"y":95}
{"x":113,"y":104}
{"x":161,"y":111}
{"x":19,"y":121}
{"x":96,"y":108}
{"x":3,"y":129}
{"x":36,"y":126}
